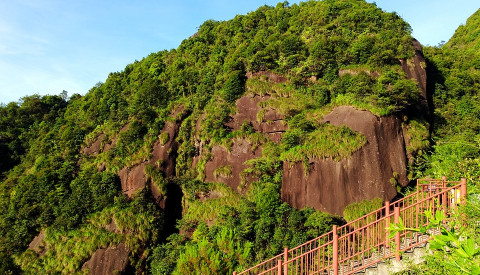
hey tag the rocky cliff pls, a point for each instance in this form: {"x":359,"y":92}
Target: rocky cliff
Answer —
{"x":271,"y":125}
{"x":370,"y":172}
{"x":377,"y":169}
{"x":414,"y":68}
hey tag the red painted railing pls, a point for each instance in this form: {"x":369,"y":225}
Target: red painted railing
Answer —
{"x":365,"y":241}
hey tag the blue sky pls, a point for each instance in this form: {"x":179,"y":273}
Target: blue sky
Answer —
{"x":47,"y":46}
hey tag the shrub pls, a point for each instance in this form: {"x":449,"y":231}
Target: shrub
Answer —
{"x":356,"y":210}
{"x":164,"y":138}
{"x":234,"y":86}
{"x":223,"y":171}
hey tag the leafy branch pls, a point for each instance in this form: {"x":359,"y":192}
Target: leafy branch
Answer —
{"x":460,"y":250}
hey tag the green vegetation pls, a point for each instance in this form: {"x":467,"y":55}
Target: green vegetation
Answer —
{"x":156,"y":177}
{"x":456,"y":249}
{"x":454,"y":85}
{"x":325,"y":141}
{"x":65,"y":252}
{"x":213,"y":256}
{"x":223,"y":171}
{"x":164,"y":138}
{"x":326,"y":53}
{"x":359,"y":209}
{"x":453,"y":70}
{"x":203,"y":204}
{"x":246,"y":229}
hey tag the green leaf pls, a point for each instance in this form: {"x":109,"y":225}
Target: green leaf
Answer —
{"x":439,"y":216}
{"x":469,"y":247}
{"x":460,"y":252}
{"x":475,"y":269}
{"x":444,"y":238}
{"x":437,"y":244}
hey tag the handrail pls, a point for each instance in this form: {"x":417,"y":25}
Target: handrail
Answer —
{"x":364,"y":241}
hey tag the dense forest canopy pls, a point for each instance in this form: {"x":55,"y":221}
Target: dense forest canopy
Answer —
{"x":454,"y":84}
{"x":49,"y":185}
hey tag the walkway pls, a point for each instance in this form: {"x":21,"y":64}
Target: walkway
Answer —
{"x":365,"y":242}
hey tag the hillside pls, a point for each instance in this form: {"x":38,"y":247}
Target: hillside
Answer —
{"x":454,"y":86}
{"x":454,"y":89}
{"x":198,"y":159}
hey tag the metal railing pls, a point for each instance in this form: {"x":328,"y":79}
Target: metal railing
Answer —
{"x":365,"y":241}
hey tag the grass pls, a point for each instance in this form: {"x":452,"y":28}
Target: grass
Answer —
{"x":223,"y":171}
{"x":202,"y":161}
{"x":67,"y":251}
{"x":260,"y":86}
{"x":254,"y":139}
{"x":290,"y":106}
{"x":164,"y":137}
{"x":417,"y":135}
{"x":356,"y":210}
{"x":110,"y":129}
{"x":207,"y":210}
{"x":327,"y":141}
{"x":349,"y":99}
{"x":155,"y":175}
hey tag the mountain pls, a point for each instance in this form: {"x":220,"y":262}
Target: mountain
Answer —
{"x":253,"y":135}
{"x":454,"y":86}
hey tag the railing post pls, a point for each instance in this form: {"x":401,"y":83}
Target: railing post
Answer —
{"x":279,"y":270}
{"x":387,"y":222}
{"x":463,"y":191}
{"x":396,"y":219}
{"x":417,"y":208}
{"x":285,"y":260}
{"x":335,"y":251}
{"x":444,"y":195}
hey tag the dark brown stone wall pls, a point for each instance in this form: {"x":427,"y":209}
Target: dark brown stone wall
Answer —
{"x":414,"y":68}
{"x":241,"y":151}
{"x":134,"y":178}
{"x":330,"y":185}
{"x":112,"y":260}
{"x":272,"y":126}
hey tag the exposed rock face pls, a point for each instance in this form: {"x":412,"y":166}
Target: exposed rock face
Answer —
{"x":37,"y":243}
{"x":112,"y":260}
{"x":330,"y":185}
{"x":414,"y":68}
{"x":166,"y":152}
{"x":231,"y":161}
{"x":163,"y":158}
{"x":132,"y":179}
{"x":94,"y":149}
{"x":271,"y":122}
